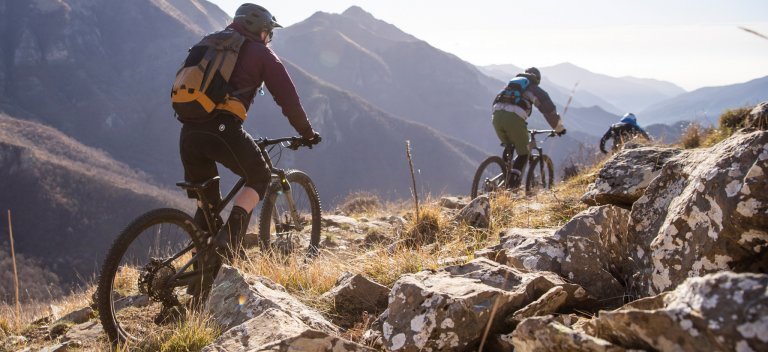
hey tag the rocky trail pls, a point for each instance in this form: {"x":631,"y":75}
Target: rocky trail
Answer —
{"x":669,"y":255}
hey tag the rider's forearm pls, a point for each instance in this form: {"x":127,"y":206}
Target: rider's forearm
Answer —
{"x":554,"y":120}
{"x":298,"y":119}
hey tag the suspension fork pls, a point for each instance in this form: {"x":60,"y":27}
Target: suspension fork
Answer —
{"x":285,"y":187}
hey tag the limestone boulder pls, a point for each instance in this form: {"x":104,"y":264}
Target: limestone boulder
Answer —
{"x":626,"y":175}
{"x":542,"y":334}
{"x":758,"y":117}
{"x":548,"y":303}
{"x":236,"y":298}
{"x":706,"y":211}
{"x":340,"y":221}
{"x":453,"y":202}
{"x":275,"y":330}
{"x":355,"y":294}
{"x":477,"y":213}
{"x":448,"y":310}
{"x":315,"y":341}
{"x":595,"y":247}
{"x":724,"y":311}
{"x":528,"y":249}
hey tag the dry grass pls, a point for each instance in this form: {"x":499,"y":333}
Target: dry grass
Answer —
{"x":434,"y":239}
{"x":191,"y":334}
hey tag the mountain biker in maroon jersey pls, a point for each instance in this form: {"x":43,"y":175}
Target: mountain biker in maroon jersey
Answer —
{"x":511,"y":109}
{"x":222,"y":139}
{"x":623,"y":131}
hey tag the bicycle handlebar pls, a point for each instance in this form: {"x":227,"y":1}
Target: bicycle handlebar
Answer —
{"x":293,"y":142}
{"x":551,"y":133}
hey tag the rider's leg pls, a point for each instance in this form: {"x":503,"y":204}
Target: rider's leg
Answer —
{"x":239,"y":153}
{"x":516,"y":129}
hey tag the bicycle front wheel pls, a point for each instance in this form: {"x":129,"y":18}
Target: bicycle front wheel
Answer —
{"x":291,"y":220}
{"x":541,"y":174}
{"x":490,"y":176}
{"x":132,"y":298}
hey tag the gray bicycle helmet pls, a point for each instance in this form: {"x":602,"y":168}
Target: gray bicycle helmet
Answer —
{"x":255,"y":18}
{"x":535,"y":72}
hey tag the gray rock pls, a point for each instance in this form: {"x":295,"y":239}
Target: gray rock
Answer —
{"x":89,"y":331}
{"x":595,"y":252}
{"x":453,"y":202}
{"x":355,"y":294}
{"x":542,"y":334}
{"x":236,"y":298}
{"x":758,"y":117}
{"x":339,"y":221}
{"x":626,"y":175}
{"x":270,"y":326}
{"x":315,"y":341}
{"x":718,"y":312}
{"x":448,"y":310}
{"x":548,"y":303}
{"x":707,"y":211}
{"x":528,"y":249}
{"x":477,"y":213}
{"x":59,"y":347}
{"x":78,"y":317}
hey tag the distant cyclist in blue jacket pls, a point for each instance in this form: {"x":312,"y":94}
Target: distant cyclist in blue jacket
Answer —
{"x":623,"y":131}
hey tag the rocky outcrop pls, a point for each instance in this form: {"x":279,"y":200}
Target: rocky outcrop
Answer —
{"x":626,"y":175}
{"x":758,"y":117}
{"x":355,"y":294}
{"x":595,"y":247}
{"x":477,"y":213}
{"x":256,"y":314}
{"x":717,"y":312}
{"x":448,"y":310}
{"x":453,"y":202}
{"x":236,"y":298}
{"x":541,"y":334}
{"x":705,"y":212}
{"x":315,"y":341}
{"x":528,"y":249}
{"x":589,"y":251}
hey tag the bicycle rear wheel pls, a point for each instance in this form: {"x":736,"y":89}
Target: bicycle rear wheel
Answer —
{"x":131,"y":296}
{"x":282,"y":229}
{"x":541,"y":174}
{"x":490,"y":176}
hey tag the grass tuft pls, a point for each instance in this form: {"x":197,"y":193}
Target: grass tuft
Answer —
{"x":192,"y":334}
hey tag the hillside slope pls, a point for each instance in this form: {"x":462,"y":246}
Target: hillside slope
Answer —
{"x":68,"y":201}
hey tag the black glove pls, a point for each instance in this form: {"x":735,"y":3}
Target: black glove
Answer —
{"x":561,"y":133}
{"x":315,"y":139}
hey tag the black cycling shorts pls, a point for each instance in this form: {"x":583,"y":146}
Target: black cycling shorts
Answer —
{"x":223,"y":140}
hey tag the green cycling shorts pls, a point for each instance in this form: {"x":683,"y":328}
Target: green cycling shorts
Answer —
{"x":512,"y":130}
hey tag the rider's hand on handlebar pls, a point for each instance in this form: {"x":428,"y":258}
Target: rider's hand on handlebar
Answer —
{"x":561,"y":133}
{"x":315,"y":139}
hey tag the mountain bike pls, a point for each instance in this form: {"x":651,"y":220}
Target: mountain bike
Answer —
{"x":163,"y":262}
{"x":494,"y":173}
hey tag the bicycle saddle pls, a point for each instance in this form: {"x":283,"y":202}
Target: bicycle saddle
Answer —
{"x":197,"y":186}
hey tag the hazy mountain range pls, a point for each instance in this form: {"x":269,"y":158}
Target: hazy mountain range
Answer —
{"x":706,"y":104}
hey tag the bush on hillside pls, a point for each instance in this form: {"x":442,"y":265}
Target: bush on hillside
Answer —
{"x":733,"y":119}
{"x":360,"y":203}
{"x":694,"y":135}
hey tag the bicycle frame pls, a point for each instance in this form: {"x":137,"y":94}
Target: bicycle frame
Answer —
{"x":182,"y":278}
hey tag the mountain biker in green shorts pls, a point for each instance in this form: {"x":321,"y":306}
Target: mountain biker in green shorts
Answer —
{"x":511,"y":109}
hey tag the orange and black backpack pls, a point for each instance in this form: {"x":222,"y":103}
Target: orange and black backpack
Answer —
{"x":202,"y":83}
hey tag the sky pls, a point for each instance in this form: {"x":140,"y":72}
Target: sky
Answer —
{"x":692,"y":43}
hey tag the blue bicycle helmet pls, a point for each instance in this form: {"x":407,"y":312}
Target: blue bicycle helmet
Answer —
{"x":629,"y":118}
